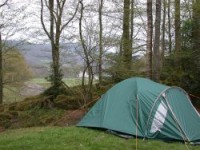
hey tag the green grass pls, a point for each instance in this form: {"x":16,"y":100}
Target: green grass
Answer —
{"x":74,"y":138}
{"x":72,"y":81}
{"x":41,"y":81}
{"x":12,"y":94}
{"x":69,"y":81}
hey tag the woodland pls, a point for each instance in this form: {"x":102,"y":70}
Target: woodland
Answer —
{"x":156,"y":39}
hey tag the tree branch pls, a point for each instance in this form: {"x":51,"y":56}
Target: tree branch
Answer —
{"x":70,"y":18}
{"x":42,"y":20}
{"x":5,"y":3}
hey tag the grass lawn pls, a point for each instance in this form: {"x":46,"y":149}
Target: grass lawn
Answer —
{"x":74,"y":138}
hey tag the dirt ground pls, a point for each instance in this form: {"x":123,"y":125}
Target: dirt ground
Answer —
{"x":31,"y":89}
{"x":71,"y":117}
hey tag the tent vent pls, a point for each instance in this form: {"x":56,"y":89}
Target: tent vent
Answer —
{"x":159,"y":118}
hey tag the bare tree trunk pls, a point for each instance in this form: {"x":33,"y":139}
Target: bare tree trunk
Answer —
{"x":87,"y":89}
{"x":1,"y":60}
{"x":100,"y":40}
{"x":1,"y":72}
{"x":169,"y":25}
{"x":156,"y":58}
{"x":196,"y":25}
{"x":54,"y":45}
{"x":196,"y":32}
{"x":132,"y":22}
{"x":53,"y":31}
{"x":163,"y":33}
{"x":121,"y":47}
{"x":127,"y":51}
{"x":149,"y":38}
{"x":177,"y":26}
{"x":54,"y":37}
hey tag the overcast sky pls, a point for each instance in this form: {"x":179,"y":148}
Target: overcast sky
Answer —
{"x":20,"y":19}
{"x":28,"y":23}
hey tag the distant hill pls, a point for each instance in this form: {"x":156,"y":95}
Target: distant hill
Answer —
{"x":38,"y":57}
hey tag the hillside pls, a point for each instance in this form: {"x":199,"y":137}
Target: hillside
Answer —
{"x":38,"y":57}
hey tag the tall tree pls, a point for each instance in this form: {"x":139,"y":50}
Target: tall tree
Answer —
{"x":156,"y":48}
{"x":1,"y":72}
{"x":1,"y":59}
{"x":196,"y":25}
{"x":100,"y":40}
{"x":163,"y":31}
{"x":87,"y":88}
{"x":149,"y":38}
{"x":177,"y":26}
{"x":54,"y":30}
{"x":169,"y":25}
{"x":132,"y":22}
{"x":126,"y":40}
{"x":196,"y":37}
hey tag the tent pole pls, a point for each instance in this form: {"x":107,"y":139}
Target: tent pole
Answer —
{"x":183,"y":135}
{"x":136,"y":144}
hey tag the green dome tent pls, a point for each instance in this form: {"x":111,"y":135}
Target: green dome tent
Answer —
{"x":143,"y":108}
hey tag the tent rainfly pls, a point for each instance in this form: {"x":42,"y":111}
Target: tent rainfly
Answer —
{"x":143,"y":108}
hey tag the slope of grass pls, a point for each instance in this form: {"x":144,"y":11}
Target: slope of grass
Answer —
{"x":69,"y":81}
{"x":73,"y":138}
{"x":12,"y":94}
